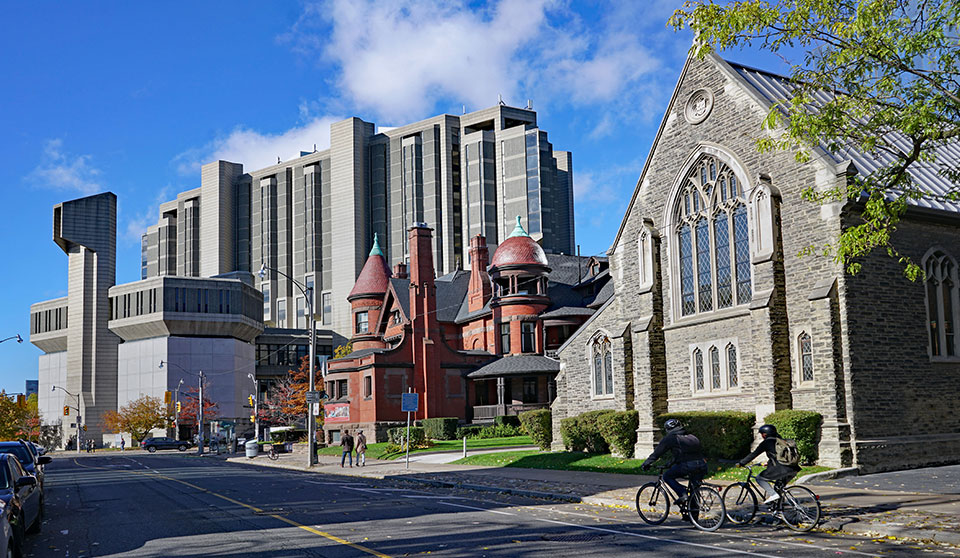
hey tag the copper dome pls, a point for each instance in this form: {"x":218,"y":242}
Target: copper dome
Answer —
{"x":518,"y":250}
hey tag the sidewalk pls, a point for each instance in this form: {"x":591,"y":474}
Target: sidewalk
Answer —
{"x":899,"y":514}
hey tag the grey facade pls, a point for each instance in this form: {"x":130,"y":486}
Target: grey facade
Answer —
{"x":715,"y":310}
{"x":464,"y":175}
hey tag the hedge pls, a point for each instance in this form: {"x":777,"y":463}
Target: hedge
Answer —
{"x":418,"y":436}
{"x":619,"y":430}
{"x":723,"y":434}
{"x":508,"y":420}
{"x":468,"y":432}
{"x":539,"y":426}
{"x":581,"y":433}
{"x":801,"y":426}
{"x":443,"y":428}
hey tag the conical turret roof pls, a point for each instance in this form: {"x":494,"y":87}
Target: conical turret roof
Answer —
{"x":518,"y":250}
{"x":375,"y":275}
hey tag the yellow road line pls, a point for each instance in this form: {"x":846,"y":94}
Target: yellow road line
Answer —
{"x":291,"y":522}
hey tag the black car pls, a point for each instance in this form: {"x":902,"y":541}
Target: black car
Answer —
{"x":162,"y":442}
{"x":22,"y":499}
{"x":31,"y":464}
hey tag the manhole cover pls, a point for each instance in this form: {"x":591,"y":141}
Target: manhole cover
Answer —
{"x":575,"y":537}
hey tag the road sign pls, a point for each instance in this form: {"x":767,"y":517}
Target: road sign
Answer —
{"x":410,"y":403}
{"x":313,"y":397}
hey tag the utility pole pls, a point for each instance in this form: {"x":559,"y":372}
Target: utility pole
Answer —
{"x":200,"y":416}
{"x":255,"y":401}
{"x":176,"y":413}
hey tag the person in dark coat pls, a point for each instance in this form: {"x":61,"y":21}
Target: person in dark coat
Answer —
{"x":688,"y":460}
{"x":346,"y":442}
{"x":775,"y":470}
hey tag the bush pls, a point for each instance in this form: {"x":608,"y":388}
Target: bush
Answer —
{"x":417,"y":435}
{"x":539,"y":426}
{"x":468,"y":432}
{"x":499,"y":431}
{"x":581,"y":433}
{"x":723,"y":434}
{"x":801,"y":426}
{"x":443,"y":428}
{"x":619,"y":430}
{"x":509,"y":420}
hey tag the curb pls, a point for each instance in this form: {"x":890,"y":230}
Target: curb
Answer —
{"x":829,"y":475}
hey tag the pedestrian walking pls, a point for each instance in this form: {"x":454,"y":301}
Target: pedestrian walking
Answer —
{"x":346,"y":442}
{"x":361,"y":449}
{"x":123,"y":444}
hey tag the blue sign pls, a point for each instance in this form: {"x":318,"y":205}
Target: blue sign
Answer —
{"x":410,"y":403}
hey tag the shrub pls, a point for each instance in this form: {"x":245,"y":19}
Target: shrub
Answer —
{"x":444,"y":428}
{"x":571,"y":435}
{"x":801,"y":426}
{"x":510,"y":420}
{"x":581,"y":433}
{"x":499,"y":431}
{"x":417,"y":435}
{"x":619,"y":430}
{"x":468,"y":431}
{"x":723,"y":434}
{"x":539,"y":426}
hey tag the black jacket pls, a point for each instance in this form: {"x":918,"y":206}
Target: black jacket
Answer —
{"x":768,"y":445}
{"x":685,"y":447}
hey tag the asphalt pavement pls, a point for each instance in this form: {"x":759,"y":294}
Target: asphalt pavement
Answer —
{"x":173,"y":505}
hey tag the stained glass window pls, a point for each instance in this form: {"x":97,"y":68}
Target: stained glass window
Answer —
{"x":714,"y":368}
{"x":943,"y":304}
{"x":733,"y":378}
{"x":698,"y":369}
{"x":704,"y":279}
{"x":722,"y":239}
{"x":602,"y":366}
{"x":806,"y":358}
{"x":742,"y":251}
{"x":686,"y":272}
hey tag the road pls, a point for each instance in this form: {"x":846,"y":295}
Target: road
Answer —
{"x":173,"y":505}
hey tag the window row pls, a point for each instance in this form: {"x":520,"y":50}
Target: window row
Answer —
{"x":528,"y":337}
{"x":272,"y":354}
{"x":942,"y":290}
{"x":49,"y":320}
{"x":136,"y":304}
{"x":325,"y":310}
{"x":715,"y":367}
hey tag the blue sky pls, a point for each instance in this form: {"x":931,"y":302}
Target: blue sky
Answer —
{"x":133,"y":97}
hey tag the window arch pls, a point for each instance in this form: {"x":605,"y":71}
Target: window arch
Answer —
{"x":602,"y":358}
{"x":715,"y":367}
{"x":712,"y":239}
{"x":805,"y":350}
{"x":943,"y":304}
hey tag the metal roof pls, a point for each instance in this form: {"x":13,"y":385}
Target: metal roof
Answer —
{"x":776,"y":88}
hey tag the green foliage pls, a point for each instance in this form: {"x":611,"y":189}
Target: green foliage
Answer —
{"x":498,"y":431}
{"x":619,"y":430}
{"x":801,"y":426}
{"x":887,"y":67}
{"x":443,"y":428}
{"x":581,"y":433}
{"x":538,"y":424}
{"x":510,"y":420}
{"x":468,"y":432}
{"x":343,"y":350}
{"x":723,"y":434}
{"x":418,"y":436}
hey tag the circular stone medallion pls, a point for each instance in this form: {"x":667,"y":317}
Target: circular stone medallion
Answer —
{"x":698,"y":106}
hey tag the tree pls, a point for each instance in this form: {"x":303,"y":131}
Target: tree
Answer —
{"x":138,"y":417}
{"x":343,"y":350}
{"x":18,"y":418}
{"x":287,"y":402}
{"x":891,"y":71}
{"x":190,"y":404}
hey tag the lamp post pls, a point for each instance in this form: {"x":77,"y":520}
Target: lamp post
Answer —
{"x":176,"y":412}
{"x":17,"y":337}
{"x":79,"y":418}
{"x":308,"y":295}
{"x":256,"y":401}
{"x":199,"y":404}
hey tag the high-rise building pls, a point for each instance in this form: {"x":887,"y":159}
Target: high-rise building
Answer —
{"x":313,"y":219}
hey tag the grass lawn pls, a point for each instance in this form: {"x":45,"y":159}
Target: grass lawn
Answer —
{"x":379,"y":450}
{"x":577,"y":461}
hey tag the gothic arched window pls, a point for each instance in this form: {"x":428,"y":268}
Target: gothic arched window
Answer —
{"x":713,"y":248}
{"x":602,"y":366}
{"x":943,"y":304}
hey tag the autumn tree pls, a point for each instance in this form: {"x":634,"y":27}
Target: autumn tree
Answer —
{"x":343,"y":350}
{"x":190,"y":404}
{"x":881,"y":76}
{"x":138,"y":417}
{"x":18,"y":418}
{"x":286,"y":403}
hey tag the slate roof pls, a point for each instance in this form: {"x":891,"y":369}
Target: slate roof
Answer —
{"x":402,"y":288}
{"x":567,"y":311}
{"x":775,"y":88}
{"x":516,"y":365}
{"x":451,"y":292}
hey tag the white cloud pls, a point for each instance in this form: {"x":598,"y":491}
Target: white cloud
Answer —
{"x":257,"y":150}
{"x":60,"y":170}
{"x":136,"y":225}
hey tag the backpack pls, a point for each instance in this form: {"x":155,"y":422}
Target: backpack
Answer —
{"x":786,"y":452}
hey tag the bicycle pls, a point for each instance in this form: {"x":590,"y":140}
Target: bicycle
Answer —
{"x":272,"y":453}
{"x":704,"y":504}
{"x":798,"y":506}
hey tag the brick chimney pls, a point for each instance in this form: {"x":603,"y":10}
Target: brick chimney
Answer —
{"x":400,"y":271}
{"x":479,"y":290}
{"x":426,"y":333}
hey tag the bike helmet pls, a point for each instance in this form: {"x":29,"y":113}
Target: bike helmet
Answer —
{"x":672,"y":424}
{"x":768,"y":430}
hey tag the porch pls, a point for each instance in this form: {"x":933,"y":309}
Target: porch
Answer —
{"x":511,"y":385}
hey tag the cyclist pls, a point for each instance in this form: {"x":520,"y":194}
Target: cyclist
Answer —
{"x":688,"y":461}
{"x":775,"y":471}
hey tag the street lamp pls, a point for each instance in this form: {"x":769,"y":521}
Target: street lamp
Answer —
{"x":17,"y":337}
{"x":79,"y":431}
{"x":199,"y":404}
{"x":256,"y":400}
{"x":308,"y":295}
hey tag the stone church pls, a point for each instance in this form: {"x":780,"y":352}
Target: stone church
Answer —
{"x":714,"y":308}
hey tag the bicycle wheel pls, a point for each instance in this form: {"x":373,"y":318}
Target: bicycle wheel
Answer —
{"x":653,"y":503}
{"x":800,"y":508}
{"x":741,"y":503}
{"x":707,"y":511}
{"x":274,"y":455}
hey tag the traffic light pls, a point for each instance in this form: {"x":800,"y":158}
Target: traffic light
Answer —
{"x":66,"y":411}
{"x":178,"y":406}
{"x":253,"y":418}
{"x":167,"y":396}
{"x":250,"y":399}
{"x":84,"y":427}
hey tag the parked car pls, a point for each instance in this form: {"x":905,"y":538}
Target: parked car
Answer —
{"x":31,"y":464}
{"x":22,"y":500}
{"x":162,"y":442}
{"x":8,"y":547}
